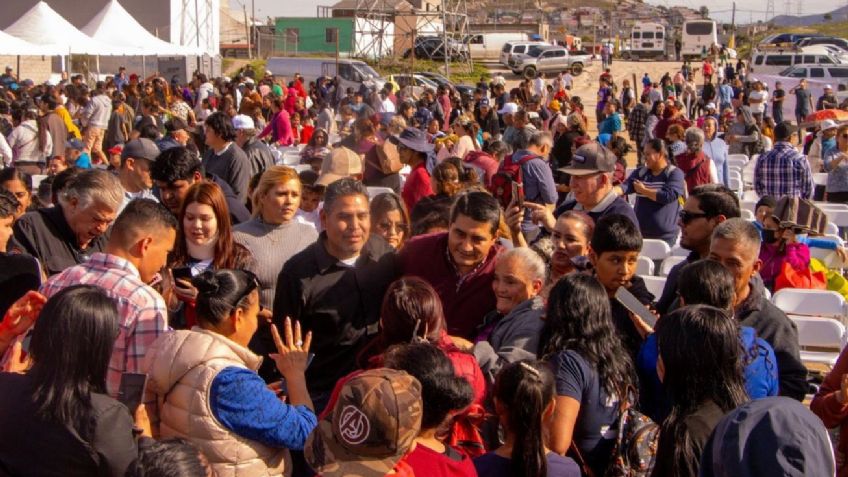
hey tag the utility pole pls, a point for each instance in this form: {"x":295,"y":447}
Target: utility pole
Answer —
{"x":247,"y":32}
{"x":254,"y":33}
{"x":446,"y":50}
{"x":197,"y":31}
{"x":733,"y":27}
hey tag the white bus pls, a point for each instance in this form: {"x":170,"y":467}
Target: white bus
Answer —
{"x":697,"y":37}
{"x":647,"y":40}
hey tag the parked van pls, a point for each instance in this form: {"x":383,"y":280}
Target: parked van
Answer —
{"x":488,"y":46}
{"x":352,"y":73}
{"x":773,"y":61}
{"x":517,"y":48}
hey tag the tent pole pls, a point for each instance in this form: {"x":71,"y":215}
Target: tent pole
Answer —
{"x":18,"y":68}
{"x":97,"y":60}
{"x":143,"y":67}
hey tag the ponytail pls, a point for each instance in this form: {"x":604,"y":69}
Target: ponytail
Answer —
{"x":525,"y":389}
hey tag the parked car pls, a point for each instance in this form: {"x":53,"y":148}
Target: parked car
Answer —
{"x":785,"y":39}
{"x":817,"y":76}
{"x":517,"y":48}
{"x":433,"y":48}
{"x":775,"y":60}
{"x":840,"y":43}
{"x":352,"y":73}
{"x":552,"y":59}
{"x":416,"y":82}
{"x":487,"y":46}
{"x":462,"y":89}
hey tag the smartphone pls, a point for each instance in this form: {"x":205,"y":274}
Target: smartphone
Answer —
{"x":518,"y":194}
{"x":181,"y":273}
{"x":284,"y":390}
{"x":635,"y":306}
{"x":131,"y":391}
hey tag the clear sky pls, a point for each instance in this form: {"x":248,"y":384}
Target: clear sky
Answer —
{"x":745,"y":10}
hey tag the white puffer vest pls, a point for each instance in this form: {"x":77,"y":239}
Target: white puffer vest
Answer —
{"x":181,"y":367}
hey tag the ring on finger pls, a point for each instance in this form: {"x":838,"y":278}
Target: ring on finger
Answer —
{"x":299,"y":343}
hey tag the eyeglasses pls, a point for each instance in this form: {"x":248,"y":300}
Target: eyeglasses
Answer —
{"x":686,"y":216}
{"x":387,"y":226}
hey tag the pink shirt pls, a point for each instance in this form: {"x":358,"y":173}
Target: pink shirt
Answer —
{"x":281,"y":125}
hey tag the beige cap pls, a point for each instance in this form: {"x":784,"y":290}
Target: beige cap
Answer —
{"x":343,"y":162}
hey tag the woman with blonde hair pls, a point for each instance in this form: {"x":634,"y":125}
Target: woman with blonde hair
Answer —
{"x":273,"y":235}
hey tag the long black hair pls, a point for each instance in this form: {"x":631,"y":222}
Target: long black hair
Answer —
{"x":442,"y":391}
{"x":525,"y":389}
{"x":71,"y":346}
{"x":579,"y":318}
{"x":700,"y":350}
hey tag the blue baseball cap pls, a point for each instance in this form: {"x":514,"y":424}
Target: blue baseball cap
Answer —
{"x":75,"y":143}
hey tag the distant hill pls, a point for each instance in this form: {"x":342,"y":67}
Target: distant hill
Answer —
{"x":788,"y":20}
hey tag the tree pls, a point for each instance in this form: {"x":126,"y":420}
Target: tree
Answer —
{"x":704,"y":11}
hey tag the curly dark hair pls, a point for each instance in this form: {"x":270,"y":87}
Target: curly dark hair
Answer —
{"x":579,"y":319}
{"x":221,"y":125}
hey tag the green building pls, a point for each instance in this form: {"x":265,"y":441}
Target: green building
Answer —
{"x":313,"y":35}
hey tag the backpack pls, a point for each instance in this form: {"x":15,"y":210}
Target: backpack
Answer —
{"x":635,"y":449}
{"x":388,"y":157}
{"x":755,"y":147}
{"x":509,"y":174}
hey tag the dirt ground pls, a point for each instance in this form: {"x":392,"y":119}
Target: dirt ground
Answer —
{"x":586,"y":85}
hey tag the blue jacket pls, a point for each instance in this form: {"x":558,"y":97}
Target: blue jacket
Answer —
{"x":760,"y":369}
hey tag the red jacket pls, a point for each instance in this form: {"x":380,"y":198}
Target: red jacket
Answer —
{"x":695,"y":167}
{"x":466,"y":300}
{"x":832,"y":412}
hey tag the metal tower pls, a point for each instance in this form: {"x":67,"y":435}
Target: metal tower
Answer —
{"x":769,"y":11}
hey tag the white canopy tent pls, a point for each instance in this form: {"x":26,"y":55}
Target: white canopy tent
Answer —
{"x":115,"y":26}
{"x":41,"y":25}
{"x":11,"y":45}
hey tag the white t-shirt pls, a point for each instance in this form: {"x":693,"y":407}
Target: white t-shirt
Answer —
{"x":758,"y":107}
{"x":567,"y":80}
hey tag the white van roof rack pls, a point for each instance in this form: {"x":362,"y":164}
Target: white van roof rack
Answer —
{"x":780,"y":48}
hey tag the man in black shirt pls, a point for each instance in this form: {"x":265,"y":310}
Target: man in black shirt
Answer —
{"x":334,"y":288}
{"x":67,"y":234}
{"x":176,"y":169}
{"x":778,"y":95}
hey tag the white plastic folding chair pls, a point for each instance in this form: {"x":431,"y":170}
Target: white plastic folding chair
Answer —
{"x":655,"y":285}
{"x":301,"y":167}
{"x":748,"y":215}
{"x":655,"y":249}
{"x":679,"y":252}
{"x":820,"y":178}
{"x":375,"y":191}
{"x":838,"y":217}
{"x":750,"y":194}
{"x":826,"y":335}
{"x":737,"y":158}
{"x":831,"y":229}
{"x":750,"y":205}
{"x":739,"y":162}
{"x":797,"y":301}
{"x":644,"y":266}
{"x":734,"y":181}
{"x":825,"y":206}
{"x":669,"y":263}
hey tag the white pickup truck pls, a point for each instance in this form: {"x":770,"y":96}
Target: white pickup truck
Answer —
{"x":552,"y":59}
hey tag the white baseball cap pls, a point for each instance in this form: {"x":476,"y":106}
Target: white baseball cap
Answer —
{"x":828,"y":124}
{"x":509,"y":108}
{"x":711,"y":106}
{"x":827,"y":86}
{"x":243,"y":122}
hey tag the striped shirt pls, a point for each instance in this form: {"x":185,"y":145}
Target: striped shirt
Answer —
{"x":783,"y":171}
{"x":142,"y":311}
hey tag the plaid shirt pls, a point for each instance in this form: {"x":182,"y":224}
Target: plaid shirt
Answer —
{"x":783,"y":171}
{"x":636,"y":123}
{"x":141,"y":309}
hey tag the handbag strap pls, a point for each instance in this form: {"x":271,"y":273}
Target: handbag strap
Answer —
{"x":584,"y":466}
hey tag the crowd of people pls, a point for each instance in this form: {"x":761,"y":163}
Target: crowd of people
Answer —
{"x":431,"y":289}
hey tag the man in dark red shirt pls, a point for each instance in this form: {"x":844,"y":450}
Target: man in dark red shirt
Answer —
{"x":460,"y":263}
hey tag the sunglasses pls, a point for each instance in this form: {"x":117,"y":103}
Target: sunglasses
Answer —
{"x":686,"y":217}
